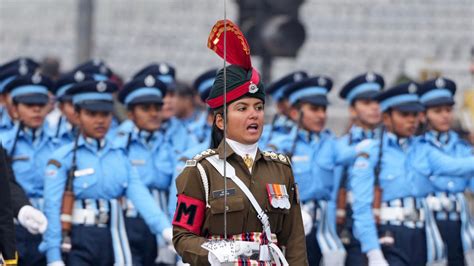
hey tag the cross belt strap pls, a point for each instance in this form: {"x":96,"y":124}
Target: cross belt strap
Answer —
{"x":262,"y":216}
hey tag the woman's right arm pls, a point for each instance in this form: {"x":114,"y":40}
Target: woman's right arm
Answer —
{"x":189,"y":217}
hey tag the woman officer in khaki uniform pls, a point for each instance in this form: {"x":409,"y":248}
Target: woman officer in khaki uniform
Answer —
{"x":263,"y":216}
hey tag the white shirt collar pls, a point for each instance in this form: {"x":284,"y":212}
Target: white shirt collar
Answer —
{"x":243,"y":149}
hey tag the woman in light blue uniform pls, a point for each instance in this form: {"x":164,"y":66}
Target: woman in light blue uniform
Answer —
{"x":360,"y":93}
{"x":8,"y":72}
{"x":67,"y":128}
{"x":401,"y":165}
{"x":100,"y":174}
{"x":175,"y":131}
{"x":447,"y":201}
{"x":152,"y":157}
{"x":314,"y":153}
{"x":29,"y":145}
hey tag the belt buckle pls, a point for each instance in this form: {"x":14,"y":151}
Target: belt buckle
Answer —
{"x":103,"y":218}
{"x":446,"y":203}
{"x":412,"y":214}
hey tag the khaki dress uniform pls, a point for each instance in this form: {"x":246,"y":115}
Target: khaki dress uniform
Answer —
{"x":199,"y":214}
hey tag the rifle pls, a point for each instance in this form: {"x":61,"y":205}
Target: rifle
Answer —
{"x":68,"y":202}
{"x":342,"y":194}
{"x":376,"y":204}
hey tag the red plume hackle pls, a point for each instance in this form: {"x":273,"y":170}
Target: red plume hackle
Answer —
{"x":238,"y":50}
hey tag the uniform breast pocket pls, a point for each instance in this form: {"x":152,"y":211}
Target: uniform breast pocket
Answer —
{"x":22,"y":164}
{"x":83,"y":179}
{"x":276,"y":216}
{"x":235,"y":217}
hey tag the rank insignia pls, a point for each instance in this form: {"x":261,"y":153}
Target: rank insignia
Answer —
{"x":191,"y":163}
{"x":273,"y":155}
{"x":282,"y":158}
{"x":278,"y":196}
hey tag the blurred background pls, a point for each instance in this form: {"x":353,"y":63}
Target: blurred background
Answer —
{"x":401,"y":39}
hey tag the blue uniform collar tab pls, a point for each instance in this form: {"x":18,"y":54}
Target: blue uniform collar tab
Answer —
{"x":94,"y":144}
{"x":358,"y":133}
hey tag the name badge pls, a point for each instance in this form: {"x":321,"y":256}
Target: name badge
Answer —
{"x":21,"y":158}
{"x":278,"y":196}
{"x":138,"y":162}
{"x":220,"y":193}
{"x":83,"y":172}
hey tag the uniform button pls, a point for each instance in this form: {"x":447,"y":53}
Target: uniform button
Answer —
{"x":85,"y":185}
{"x":125,"y":184}
{"x":450,"y":184}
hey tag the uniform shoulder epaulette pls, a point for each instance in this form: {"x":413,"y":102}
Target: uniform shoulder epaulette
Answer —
{"x":277,"y":157}
{"x":204,"y":154}
{"x":198,"y":157}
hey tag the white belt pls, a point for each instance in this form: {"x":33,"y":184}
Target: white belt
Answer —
{"x":276,"y":253}
{"x":83,"y":216}
{"x":312,"y":208}
{"x":87,"y":217}
{"x":401,"y":214}
{"x":443,"y":203}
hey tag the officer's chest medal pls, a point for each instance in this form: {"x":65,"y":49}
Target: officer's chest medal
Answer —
{"x":278,"y":196}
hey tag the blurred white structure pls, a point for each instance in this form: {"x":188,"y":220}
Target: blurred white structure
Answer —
{"x":344,"y":37}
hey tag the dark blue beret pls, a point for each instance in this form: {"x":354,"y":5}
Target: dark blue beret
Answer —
{"x":95,"y":67}
{"x":364,"y":86}
{"x":436,"y":92}
{"x":162,"y":71}
{"x":203,"y":83}
{"x":66,"y":81}
{"x":312,"y":90}
{"x":9,"y":74}
{"x":143,"y":89}
{"x":19,"y":61}
{"x":30,"y":89}
{"x":277,"y":88}
{"x":93,"y":95}
{"x":403,"y":97}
